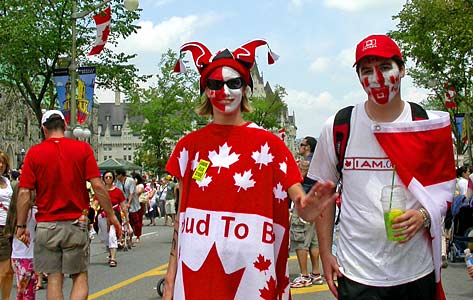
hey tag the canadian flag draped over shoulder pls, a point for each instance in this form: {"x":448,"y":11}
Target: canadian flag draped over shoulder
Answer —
{"x":102,"y":20}
{"x":422,"y":152}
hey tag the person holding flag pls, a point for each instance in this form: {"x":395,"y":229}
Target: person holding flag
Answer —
{"x":384,"y":148}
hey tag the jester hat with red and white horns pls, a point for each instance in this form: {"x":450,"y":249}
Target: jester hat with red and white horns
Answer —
{"x":242,"y":60}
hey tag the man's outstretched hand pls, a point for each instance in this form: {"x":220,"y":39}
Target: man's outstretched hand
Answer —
{"x":320,"y":196}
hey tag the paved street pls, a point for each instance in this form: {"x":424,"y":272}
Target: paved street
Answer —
{"x":138,"y":271}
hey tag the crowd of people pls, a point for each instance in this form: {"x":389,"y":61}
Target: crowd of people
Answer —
{"x":243,"y":199}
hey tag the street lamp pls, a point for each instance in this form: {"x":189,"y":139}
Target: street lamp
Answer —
{"x":130,"y":5}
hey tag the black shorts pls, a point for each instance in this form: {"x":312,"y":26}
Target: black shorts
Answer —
{"x":420,"y":289}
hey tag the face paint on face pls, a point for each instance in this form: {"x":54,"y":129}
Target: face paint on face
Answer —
{"x":226,"y":100}
{"x":381,"y":79}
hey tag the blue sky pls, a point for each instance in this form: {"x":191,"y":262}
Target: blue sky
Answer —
{"x":315,"y":40}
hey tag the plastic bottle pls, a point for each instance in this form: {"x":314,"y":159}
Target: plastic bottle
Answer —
{"x":83,"y":219}
{"x":468,"y":257}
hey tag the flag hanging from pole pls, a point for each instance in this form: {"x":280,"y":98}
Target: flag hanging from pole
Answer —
{"x":422,"y":153}
{"x":102,"y":20}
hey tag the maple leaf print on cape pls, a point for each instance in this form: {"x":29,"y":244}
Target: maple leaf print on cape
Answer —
{"x":283,"y":167}
{"x":183,"y":159}
{"x":223,"y":159}
{"x":263,"y":157}
{"x":244,"y":181}
{"x":195,"y":162}
{"x":269,"y":292}
{"x":261,"y":263}
{"x":279,"y":193}
{"x":204,"y":182}
{"x":211,"y":280}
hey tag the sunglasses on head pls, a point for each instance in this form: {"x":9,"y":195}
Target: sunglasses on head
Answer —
{"x":233,"y":84}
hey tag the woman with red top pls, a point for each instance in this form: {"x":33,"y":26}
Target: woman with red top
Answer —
{"x":107,"y":233}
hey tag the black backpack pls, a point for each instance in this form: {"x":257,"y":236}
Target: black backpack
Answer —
{"x":341,"y":134}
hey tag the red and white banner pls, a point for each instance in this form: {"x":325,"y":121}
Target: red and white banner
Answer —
{"x":422,"y":152}
{"x":103,"y":30}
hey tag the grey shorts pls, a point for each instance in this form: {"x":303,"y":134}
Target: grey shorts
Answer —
{"x":61,"y":247}
{"x":170,"y":207}
{"x":302,"y":235}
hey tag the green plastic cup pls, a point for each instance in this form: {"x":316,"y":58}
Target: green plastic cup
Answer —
{"x":393,"y":200}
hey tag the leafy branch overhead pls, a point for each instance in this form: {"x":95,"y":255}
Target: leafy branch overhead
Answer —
{"x":36,"y":35}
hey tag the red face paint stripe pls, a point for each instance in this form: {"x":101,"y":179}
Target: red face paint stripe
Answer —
{"x":380,"y":76}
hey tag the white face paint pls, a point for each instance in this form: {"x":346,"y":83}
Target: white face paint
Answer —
{"x":380,"y":78}
{"x":226,"y":100}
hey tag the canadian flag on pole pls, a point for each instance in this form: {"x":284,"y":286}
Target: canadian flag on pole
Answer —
{"x":422,"y":153}
{"x":103,"y":29}
{"x":282,"y":133}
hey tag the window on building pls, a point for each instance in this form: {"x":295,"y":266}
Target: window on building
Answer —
{"x":124,"y":147}
{"x":105,"y":157}
{"x":124,"y":157}
{"x":129,"y":157}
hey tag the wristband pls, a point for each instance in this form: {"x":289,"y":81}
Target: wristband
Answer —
{"x":21,"y":226}
{"x":425,"y":216}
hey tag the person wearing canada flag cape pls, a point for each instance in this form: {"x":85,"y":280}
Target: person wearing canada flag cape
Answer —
{"x":231,"y":233}
{"x":386,"y":146}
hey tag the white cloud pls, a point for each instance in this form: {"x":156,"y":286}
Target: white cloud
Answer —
{"x":320,"y":64}
{"x":358,"y":5}
{"x":155,"y":39}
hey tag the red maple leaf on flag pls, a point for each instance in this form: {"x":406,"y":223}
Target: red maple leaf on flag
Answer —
{"x":211,"y":280}
{"x":269,"y":291}
{"x":261,"y":263}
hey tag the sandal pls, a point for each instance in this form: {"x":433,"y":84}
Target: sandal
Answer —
{"x":112,"y":263}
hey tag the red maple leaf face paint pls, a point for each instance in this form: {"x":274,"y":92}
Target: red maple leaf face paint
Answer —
{"x":225,"y":89}
{"x":380,"y":78}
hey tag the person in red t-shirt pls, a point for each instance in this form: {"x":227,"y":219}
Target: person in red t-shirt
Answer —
{"x":57,"y":169}
{"x":231,"y":231}
{"x":107,"y":233}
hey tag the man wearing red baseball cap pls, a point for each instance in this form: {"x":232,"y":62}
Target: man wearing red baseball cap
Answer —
{"x":368,"y":264}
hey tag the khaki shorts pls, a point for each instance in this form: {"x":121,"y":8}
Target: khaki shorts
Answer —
{"x":5,"y":246}
{"x":61,"y":247}
{"x":302,"y":235}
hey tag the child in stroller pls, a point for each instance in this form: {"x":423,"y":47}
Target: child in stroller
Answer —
{"x":459,"y":223}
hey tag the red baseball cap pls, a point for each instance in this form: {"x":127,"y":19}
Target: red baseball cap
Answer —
{"x":377,"y":45}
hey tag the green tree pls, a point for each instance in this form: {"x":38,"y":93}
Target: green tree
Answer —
{"x":267,"y":110}
{"x":437,"y":35}
{"x":34,"y":35}
{"x":168,"y":109}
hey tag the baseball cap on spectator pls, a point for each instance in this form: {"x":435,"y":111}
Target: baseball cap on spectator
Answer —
{"x":50,"y":115}
{"x":377,"y":45}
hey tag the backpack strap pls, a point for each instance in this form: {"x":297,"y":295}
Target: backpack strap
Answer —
{"x":341,"y":132}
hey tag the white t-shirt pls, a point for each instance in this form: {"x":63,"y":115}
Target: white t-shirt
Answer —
{"x":19,"y":249}
{"x":462,"y":185}
{"x":364,"y":253}
{"x":5,"y":198}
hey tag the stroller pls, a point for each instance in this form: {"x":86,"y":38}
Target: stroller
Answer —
{"x":459,"y":221}
{"x":126,"y":242}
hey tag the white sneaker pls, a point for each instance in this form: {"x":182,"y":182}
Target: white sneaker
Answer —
{"x":316,"y":278}
{"x":301,"y":281}
{"x":92,"y":234}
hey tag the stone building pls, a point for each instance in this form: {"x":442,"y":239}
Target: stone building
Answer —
{"x":18,"y":126}
{"x":115,"y":138}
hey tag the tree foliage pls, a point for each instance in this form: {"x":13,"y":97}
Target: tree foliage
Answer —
{"x":437,"y":35}
{"x":34,"y":35}
{"x":168,"y":108}
{"x":267,"y":110}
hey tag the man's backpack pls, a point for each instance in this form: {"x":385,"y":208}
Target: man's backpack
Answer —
{"x":341,"y":134}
